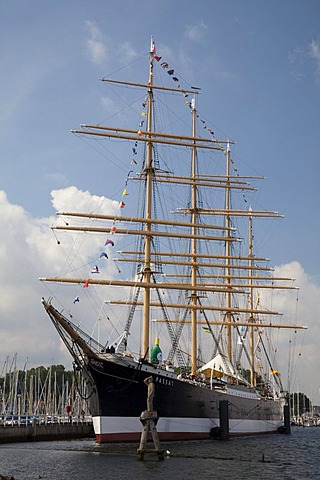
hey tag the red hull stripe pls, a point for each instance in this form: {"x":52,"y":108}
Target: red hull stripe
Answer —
{"x":167,"y":436}
{"x":163,"y":436}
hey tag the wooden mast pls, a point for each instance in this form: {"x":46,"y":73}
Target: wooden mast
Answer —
{"x":251,"y":300}
{"x":194,"y":266}
{"x":148,"y":171}
{"x":228,"y":316}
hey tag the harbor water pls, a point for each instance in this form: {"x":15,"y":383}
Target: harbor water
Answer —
{"x":295,"y":456}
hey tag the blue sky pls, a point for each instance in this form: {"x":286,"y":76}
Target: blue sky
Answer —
{"x":258,"y":64}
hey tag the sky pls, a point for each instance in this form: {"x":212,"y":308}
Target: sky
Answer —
{"x":258,"y":65}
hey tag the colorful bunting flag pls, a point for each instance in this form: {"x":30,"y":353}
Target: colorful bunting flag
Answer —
{"x":109,"y":242}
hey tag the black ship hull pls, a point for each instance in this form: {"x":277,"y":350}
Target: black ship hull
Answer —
{"x":187,"y":408}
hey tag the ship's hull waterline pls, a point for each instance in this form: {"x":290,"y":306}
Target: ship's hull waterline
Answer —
{"x":187,"y":409}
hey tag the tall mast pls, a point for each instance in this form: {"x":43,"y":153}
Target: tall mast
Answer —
{"x":148,"y":171}
{"x":251,"y":300}
{"x":228,"y":316}
{"x":194,"y":267}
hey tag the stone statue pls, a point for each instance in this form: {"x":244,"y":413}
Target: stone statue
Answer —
{"x":151,"y":390}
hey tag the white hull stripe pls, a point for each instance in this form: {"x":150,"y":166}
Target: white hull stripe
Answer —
{"x":127,"y":425}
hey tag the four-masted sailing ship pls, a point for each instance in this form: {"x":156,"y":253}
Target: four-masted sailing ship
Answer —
{"x":191,"y":286}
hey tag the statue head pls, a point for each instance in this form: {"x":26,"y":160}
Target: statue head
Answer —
{"x":148,"y":380}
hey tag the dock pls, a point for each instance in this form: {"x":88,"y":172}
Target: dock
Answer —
{"x":37,"y":431}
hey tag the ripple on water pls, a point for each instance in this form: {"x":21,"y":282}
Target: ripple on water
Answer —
{"x":293,"y":457}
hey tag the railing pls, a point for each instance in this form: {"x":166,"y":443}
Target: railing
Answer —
{"x":24,"y":420}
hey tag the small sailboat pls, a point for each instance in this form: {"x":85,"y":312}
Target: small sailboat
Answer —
{"x":189,"y":277}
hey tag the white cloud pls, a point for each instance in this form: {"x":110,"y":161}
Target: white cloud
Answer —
{"x":296,"y":60}
{"x":29,"y":250}
{"x":196,"y":32}
{"x":300,"y":346}
{"x":299,"y":57}
{"x":96,"y":49}
{"x":20,"y":310}
{"x":314,"y":52}
{"x":309,"y":291}
{"x":127,"y":52}
{"x":100,"y":49}
{"x":79,"y":201}
{"x":78,"y":253}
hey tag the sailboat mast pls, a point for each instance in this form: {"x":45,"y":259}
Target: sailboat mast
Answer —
{"x":148,"y":171}
{"x":228,"y":316}
{"x":194,"y":204}
{"x":251,"y":300}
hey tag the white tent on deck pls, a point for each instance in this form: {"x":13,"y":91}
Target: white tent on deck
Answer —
{"x":220,"y":366}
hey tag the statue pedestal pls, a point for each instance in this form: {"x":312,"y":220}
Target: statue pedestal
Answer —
{"x":149,"y":421}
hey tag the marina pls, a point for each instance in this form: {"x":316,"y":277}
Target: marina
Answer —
{"x":42,"y":403}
